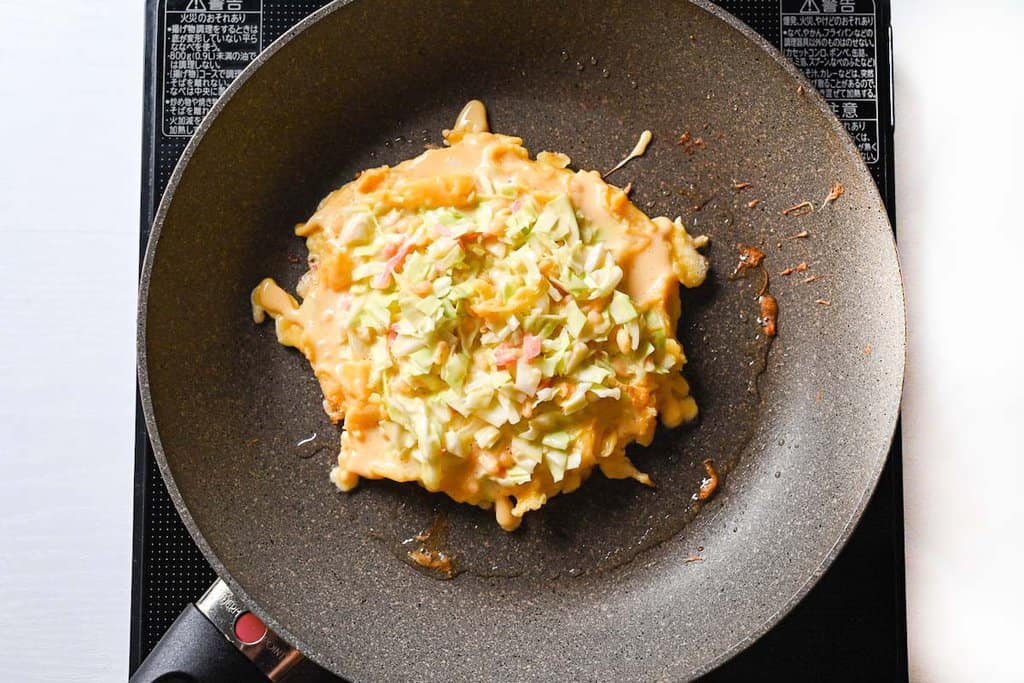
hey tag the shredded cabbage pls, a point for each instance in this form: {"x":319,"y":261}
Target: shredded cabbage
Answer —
{"x":469,"y":297}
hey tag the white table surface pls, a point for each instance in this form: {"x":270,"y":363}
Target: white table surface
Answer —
{"x":70,"y":113}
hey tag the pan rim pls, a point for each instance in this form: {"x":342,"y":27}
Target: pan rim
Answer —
{"x":880,"y":458}
{"x":877,"y":461}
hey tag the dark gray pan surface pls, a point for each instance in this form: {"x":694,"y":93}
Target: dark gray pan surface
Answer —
{"x":596,"y":584}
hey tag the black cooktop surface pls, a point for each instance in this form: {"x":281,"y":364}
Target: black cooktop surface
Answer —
{"x":852,"y":625}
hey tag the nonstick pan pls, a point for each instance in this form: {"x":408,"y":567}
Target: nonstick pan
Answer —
{"x":616,"y":581}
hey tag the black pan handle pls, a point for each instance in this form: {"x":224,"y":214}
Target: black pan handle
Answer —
{"x":214,"y":641}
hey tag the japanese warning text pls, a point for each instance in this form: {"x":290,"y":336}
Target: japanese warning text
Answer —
{"x":207,"y":43}
{"x":834,"y":42}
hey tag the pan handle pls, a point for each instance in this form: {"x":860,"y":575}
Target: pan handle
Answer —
{"x":214,"y":640}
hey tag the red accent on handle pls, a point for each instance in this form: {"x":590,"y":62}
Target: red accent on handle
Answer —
{"x":249,"y":629}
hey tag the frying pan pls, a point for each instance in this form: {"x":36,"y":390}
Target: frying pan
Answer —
{"x":616,"y":580}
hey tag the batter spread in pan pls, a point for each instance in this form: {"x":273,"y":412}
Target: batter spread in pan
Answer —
{"x":489,"y":325}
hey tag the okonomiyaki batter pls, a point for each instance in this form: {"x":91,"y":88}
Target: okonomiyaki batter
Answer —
{"x":489,"y":325}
